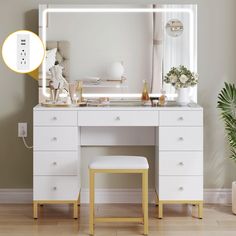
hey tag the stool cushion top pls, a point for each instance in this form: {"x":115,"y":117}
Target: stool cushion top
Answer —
{"x":119,"y":162}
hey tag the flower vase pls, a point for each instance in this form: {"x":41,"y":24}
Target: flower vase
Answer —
{"x":183,"y":96}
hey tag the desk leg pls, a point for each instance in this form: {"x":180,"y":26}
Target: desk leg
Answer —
{"x":160,"y":210}
{"x":35,"y":206}
{"x":200,"y":210}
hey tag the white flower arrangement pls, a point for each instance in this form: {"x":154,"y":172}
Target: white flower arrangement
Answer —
{"x":181,"y":77}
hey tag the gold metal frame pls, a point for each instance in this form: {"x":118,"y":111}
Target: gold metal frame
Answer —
{"x":93,"y":219}
{"x":160,"y":203}
{"x":42,"y":202}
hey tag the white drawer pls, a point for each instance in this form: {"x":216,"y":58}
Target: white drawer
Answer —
{"x":56,"y":163}
{"x":180,"y":138}
{"x":180,"y":188}
{"x":55,"y":118}
{"x":181,"y":118}
{"x":180,"y":163}
{"x":118,"y":118}
{"x":56,"y":187}
{"x":55,"y":138}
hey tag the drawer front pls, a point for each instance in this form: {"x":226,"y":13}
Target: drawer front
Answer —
{"x":181,"y":188}
{"x":181,"y":118}
{"x":55,"y":138}
{"x":118,"y":118}
{"x":181,"y":163}
{"x":56,"y":163}
{"x":180,"y":138}
{"x":56,"y":188}
{"x":55,"y":118}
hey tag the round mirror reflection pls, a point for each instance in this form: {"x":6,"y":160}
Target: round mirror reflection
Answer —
{"x":174,"y":28}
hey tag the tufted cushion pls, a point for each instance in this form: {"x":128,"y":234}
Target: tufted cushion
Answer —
{"x":119,"y":162}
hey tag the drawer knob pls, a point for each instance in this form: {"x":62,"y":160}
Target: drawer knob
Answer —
{"x":181,"y":163}
{"x":54,"y":188}
{"x":54,"y":139}
{"x":181,"y":118}
{"x":181,"y":139}
{"x":117,"y":118}
{"x":54,"y":163}
{"x":54,"y":118}
{"x":181,"y":188}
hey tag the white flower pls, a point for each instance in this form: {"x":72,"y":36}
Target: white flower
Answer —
{"x":173,"y":79}
{"x":183,"y":79}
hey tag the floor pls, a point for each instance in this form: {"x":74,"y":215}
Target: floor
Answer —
{"x":57,"y":220}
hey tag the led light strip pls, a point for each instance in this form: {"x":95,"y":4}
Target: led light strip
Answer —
{"x":113,"y":10}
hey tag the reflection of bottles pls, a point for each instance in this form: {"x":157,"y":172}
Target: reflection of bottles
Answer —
{"x":80,"y":91}
{"x":163,"y":98}
{"x":145,"y":95}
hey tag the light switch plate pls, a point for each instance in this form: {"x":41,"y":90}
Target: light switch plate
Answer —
{"x":22,"y":129}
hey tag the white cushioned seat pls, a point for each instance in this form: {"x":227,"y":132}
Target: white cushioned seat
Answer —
{"x":119,"y":162}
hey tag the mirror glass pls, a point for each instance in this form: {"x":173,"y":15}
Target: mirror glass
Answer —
{"x":116,"y":52}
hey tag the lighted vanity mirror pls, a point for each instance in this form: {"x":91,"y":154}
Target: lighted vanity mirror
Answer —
{"x":114,"y":48}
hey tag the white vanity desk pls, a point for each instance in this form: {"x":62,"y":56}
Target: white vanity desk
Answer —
{"x":177,"y":133}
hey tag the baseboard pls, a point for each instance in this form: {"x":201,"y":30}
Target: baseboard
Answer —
{"x":21,"y":196}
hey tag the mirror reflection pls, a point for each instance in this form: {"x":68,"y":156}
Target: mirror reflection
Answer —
{"x":116,"y":52}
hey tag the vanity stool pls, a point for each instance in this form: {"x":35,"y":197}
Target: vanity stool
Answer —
{"x":121,"y":165}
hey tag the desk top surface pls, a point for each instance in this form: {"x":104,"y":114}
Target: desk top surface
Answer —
{"x":170,"y":107}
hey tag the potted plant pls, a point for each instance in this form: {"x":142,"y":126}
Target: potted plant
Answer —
{"x":227,"y":106}
{"x":181,"y":78}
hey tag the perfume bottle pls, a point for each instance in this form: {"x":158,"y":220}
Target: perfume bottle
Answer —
{"x":145,"y":95}
{"x":163,"y":98}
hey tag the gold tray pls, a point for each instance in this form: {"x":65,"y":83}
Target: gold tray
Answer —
{"x":55,"y":105}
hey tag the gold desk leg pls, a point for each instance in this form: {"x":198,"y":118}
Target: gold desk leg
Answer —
{"x":75,"y":210}
{"x":35,"y":210}
{"x":160,"y":210}
{"x":200,"y":210}
{"x":145,"y":200}
{"x":91,"y":204}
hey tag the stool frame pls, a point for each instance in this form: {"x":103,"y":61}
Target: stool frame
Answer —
{"x":143,"y":220}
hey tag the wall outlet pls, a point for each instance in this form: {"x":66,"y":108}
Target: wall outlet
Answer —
{"x":22,"y":129}
{"x":23,"y":51}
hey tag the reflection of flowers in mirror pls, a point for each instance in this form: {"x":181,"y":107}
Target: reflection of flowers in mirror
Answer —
{"x":181,"y":77}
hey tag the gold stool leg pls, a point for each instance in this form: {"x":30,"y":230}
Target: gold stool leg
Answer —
{"x":75,"y":210}
{"x":200,"y":210}
{"x":91,"y":204}
{"x":160,"y":210}
{"x":145,"y":200}
{"x":35,"y":211}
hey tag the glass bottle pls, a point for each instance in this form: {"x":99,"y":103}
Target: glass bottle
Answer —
{"x":163,"y":98}
{"x":145,"y":95}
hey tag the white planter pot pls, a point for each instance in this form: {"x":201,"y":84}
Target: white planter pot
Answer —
{"x":183,"y":96}
{"x":234,"y":197}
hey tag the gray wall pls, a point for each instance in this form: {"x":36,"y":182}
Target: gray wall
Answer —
{"x":216,"y":55}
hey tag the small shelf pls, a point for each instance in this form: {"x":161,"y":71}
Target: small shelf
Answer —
{"x":105,"y":84}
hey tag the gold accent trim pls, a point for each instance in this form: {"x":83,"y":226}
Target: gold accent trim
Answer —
{"x":114,"y":219}
{"x":192,"y":202}
{"x":75,"y":203}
